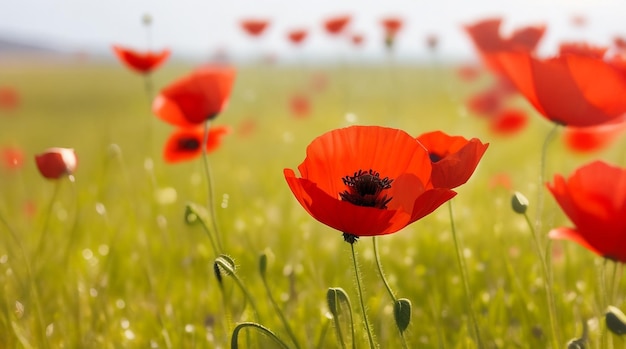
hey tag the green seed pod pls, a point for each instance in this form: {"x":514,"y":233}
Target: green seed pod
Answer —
{"x":402,"y":313}
{"x":519,"y":203}
{"x":615,"y":320}
{"x":263,"y":264}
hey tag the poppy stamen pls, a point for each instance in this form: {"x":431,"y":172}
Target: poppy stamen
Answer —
{"x":365,"y":188}
{"x":188,"y":144}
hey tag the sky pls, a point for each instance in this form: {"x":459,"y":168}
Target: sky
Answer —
{"x":198,"y":28}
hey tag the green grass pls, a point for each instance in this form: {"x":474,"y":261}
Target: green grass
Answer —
{"x":119,"y":267}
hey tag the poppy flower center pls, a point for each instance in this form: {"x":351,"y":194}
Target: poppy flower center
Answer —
{"x":434,"y":157}
{"x":365,"y":189}
{"x":188,"y":144}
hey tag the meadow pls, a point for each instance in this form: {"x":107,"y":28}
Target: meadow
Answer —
{"x":109,"y":260}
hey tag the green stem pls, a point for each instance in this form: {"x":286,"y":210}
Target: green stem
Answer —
{"x":322,"y":336}
{"x":464,"y":277}
{"x":55,"y":193}
{"x":211,"y":199}
{"x":280,"y":313}
{"x":357,"y":274}
{"x":234,"y":341}
{"x":542,"y":175}
{"x":229,"y":270}
{"x":386,"y":283}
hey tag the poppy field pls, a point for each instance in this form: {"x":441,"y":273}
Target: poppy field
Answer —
{"x":342,"y":205}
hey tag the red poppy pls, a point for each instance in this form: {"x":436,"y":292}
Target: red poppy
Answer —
{"x":12,"y":158}
{"x":357,"y":40}
{"x":366,"y":180}
{"x":55,"y":163}
{"x":9,"y":98}
{"x":582,"y":49}
{"x":579,"y":21}
{"x":297,"y":36}
{"x":300,"y":106}
{"x":186,"y":144}
{"x":141,"y":62}
{"x":594,"y":199}
{"x":486,"y":103}
{"x":508,"y":122}
{"x":247,"y":127}
{"x":254,"y":27}
{"x":502,"y":180}
{"x":195,"y":98}
{"x":453,"y":158}
{"x":432,"y":41}
{"x":391,"y":25}
{"x":336,"y":25}
{"x":468,"y":72}
{"x":570,"y":89}
{"x":620,"y":43}
{"x":593,"y":138}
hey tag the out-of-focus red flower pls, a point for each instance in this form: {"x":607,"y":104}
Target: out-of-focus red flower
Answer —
{"x":486,"y":103}
{"x":501,"y":180}
{"x":12,"y":158}
{"x":186,"y":144}
{"x":297,"y":36}
{"x":300,"y":106}
{"x":55,"y":163}
{"x":570,"y":89}
{"x":9,"y":98}
{"x":336,"y":25}
{"x":468,"y":72}
{"x":432,"y":42}
{"x":246,"y":127}
{"x":582,"y":49}
{"x":620,"y":43}
{"x":508,"y":122}
{"x":487,"y":39}
{"x":619,"y":62}
{"x":453,"y":158}
{"x":254,"y":27}
{"x":195,"y":98}
{"x":578,"y":21}
{"x":391,"y":25}
{"x":594,"y":138}
{"x":357,"y":40}
{"x":319,"y":82}
{"x":140,"y":62}
{"x":594,"y":199}
{"x":366,"y":180}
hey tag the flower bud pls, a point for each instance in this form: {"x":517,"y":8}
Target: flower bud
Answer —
{"x":519,"y":203}
{"x":615,"y":320}
{"x":55,"y":163}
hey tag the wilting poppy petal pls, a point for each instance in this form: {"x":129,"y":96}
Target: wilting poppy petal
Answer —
{"x":593,"y":138}
{"x":366,"y":180}
{"x":55,"y":163}
{"x":195,"y":98}
{"x":254,"y":27}
{"x":508,"y":122}
{"x":9,"y":98}
{"x":336,"y":25}
{"x":297,"y":36}
{"x":582,"y":49}
{"x":453,"y":158}
{"x":300,"y":106}
{"x":141,"y":62}
{"x":596,"y":209}
{"x":12,"y":158}
{"x":186,"y":144}
{"x":571,"y":90}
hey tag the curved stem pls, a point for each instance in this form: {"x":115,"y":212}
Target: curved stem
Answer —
{"x":239,"y":283}
{"x":357,"y":274}
{"x":234,"y":341}
{"x":280,"y":314}
{"x":55,"y":193}
{"x":386,"y":283}
{"x":542,"y":175}
{"x":459,"y":257}
{"x":207,"y":169}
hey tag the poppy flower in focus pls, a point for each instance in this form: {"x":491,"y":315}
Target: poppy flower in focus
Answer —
{"x":300,"y":106}
{"x":336,"y":25}
{"x":9,"y":98}
{"x":594,"y":199}
{"x":366,"y":180}
{"x":254,"y":27}
{"x":186,"y":144}
{"x":593,"y":138}
{"x":12,"y":158}
{"x":582,"y":49}
{"x":141,"y":62}
{"x":508,"y":122}
{"x":297,"y":36}
{"x":453,"y":158}
{"x":570,"y":89}
{"x":55,"y":163}
{"x":195,"y":98}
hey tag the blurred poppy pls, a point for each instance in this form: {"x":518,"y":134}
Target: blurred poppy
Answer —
{"x":9,"y":98}
{"x":336,"y":25}
{"x":12,"y":158}
{"x":508,"y":122}
{"x":570,"y":89}
{"x":357,"y":40}
{"x":366,"y":180}
{"x":578,"y":21}
{"x":501,"y":180}
{"x":297,"y":36}
{"x":254,"y":27}
{"x":468,"y":72}
{"x":141,"y":62}
{"x":195,"y":98}
{"x":594,"y":199}
{"x":186,"y":144}
{"x":582,"y":49}
{"x":486,"y":103}
{"x":300,"y":106}
{"x":55,"y":163}
{"x":453,"y":158}
{"x":593,"y":138}
{"x":391,"y":25}
{"x":247,"y":127}
{"x":432,"y":42}
{"x":620,"y":43}
{"x":319,"y":82}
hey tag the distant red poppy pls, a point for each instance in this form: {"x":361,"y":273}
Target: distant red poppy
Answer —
{"x":594,"y":199}
{"x":432,"y":42}
{"x":55,"y":163}
{"x":366,"y":180}
{"x":620,"y":43}
{"x":582,"y":49}
{"x":141,"y":62}
{"x":502,"y":180}
{"x":247,"y":127}
{"x":508,"y":122}
{"x":9,"y":98}
{"x":357,"y":40}
{"x":300,"y":106}
{"x":12,"y":158}
{"x":195,"y":98}
{"x":453,"y":158}
{"x":391,"y":25}
{"x":319,"y":82}
{"x":186,"y":143}
{"x":594,"y":138}
{"x":336,"y":25}
{"x":297,"y":36}
{"x":254,"y":27}
{"x":468,"y":72}
{"x":486,"y":103}
{"x":578,"y":21}
{"x":570,"y":89}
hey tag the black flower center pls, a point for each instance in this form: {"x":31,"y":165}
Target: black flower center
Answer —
{"x":434,"y":157}
{"x":365,"y":189}
{"x":188,"y":144}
